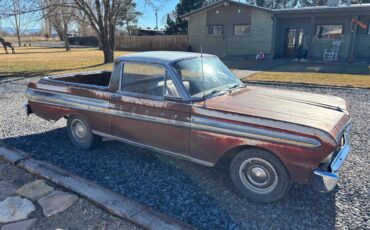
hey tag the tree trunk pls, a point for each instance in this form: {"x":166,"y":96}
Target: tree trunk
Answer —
{"x":107,"y":51}
{"x":66,"y":42}
{"x":65,"y":31}
{"x":17,"y":30}
{"x":108,"y":54}
{"x":19,"y":38}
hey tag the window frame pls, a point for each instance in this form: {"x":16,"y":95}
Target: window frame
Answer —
{"x":329,"y":38}
{"x":249,"y":29}
{"x":222,"y":30}
{"x":167,"y":76}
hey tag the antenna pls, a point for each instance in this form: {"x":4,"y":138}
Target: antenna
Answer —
{"x":201,"y":60}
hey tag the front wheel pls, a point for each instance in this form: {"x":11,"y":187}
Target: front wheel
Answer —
{"x":259,"y":175}
{"x":80,"y":133}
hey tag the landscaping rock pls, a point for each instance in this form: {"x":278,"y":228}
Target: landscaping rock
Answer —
{"x":35,"y":190}
{"x":21,"y":225}
{"x":7,"y":188}
{"x":56,"y":202}
{"x":15,"y":208}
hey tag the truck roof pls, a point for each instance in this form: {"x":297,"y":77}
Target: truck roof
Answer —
{"x":160,"y":57}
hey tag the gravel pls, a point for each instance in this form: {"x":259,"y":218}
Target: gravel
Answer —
{"x":201,"y":196}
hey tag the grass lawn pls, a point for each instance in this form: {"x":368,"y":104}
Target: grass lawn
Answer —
{"x":33,"y":61}
{"x":322,"y":74}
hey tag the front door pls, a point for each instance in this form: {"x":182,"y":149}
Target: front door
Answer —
{"x":142,"y":113}
{"x":293,"y":40}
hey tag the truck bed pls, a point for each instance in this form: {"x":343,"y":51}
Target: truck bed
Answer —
{"x":101,"y":78}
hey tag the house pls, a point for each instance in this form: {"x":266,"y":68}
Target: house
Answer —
{"x":229,"y":28}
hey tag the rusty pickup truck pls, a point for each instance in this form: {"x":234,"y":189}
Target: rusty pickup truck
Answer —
{"x":191,"y":106}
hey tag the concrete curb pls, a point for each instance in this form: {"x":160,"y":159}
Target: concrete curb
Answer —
{"x":306,"y":85}
{"x":110,"y":201}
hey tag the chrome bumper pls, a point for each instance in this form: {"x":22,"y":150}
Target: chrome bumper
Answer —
{"x":27,"y":108}
{"x":325,"y":181}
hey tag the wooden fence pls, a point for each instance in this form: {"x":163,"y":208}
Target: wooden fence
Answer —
{"x":141,"y":43}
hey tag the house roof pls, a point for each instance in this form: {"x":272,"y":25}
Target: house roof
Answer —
{"x":219,"y":3}
{"x":323,"y":9}
{"x":315,"y":9}
{"x":160,"y":57}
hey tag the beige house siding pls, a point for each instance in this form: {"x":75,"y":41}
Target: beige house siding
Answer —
{"x":259,"y":38}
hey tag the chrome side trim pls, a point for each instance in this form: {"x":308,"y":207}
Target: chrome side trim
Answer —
{"x":94,"y":105}
{"x":148,"y":118}
{"x":67,"y":100}
{"x":130,"y":142}
{"x":207,"y":124}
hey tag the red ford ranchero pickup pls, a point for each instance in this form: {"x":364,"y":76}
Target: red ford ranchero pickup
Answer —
{"x":191,"y":106}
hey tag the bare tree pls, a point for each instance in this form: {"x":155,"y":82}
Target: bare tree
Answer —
{"x":103,"y":16}
{"x":129,"y":18}
{"x":61,"y":14}
{"x":47,"y":25}
{"x":18,"y":14}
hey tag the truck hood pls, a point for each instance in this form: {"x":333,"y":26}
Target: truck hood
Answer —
{"x":327,"y":113}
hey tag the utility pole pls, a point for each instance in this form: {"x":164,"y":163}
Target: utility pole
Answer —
{"x":156,"y":18}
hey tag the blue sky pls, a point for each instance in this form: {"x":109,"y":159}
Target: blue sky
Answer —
{"x":148,"y":17}
{"x":146,"y":20}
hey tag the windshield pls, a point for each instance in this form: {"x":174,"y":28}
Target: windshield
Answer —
{"x":217,"y":77}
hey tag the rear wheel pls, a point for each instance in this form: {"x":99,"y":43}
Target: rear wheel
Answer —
{"x":259,"y":175}
{"x":80,"y":133}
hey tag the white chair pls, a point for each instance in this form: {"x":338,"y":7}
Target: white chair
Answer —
{"x":332,"y":53}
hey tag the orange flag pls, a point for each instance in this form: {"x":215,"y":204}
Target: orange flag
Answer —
{"x":359,"y":23}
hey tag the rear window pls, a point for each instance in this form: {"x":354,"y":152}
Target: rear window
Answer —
{"x":147,"y":80}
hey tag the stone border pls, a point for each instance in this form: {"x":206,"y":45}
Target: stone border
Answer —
{"x":110,"y":201}
{"x":306,"y":85}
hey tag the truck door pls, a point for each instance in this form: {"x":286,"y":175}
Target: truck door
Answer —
{"x":146,"y":111}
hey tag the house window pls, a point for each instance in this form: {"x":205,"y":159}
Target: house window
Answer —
{"x":215,"y":30}
{"x":241,"y":29}
{"x":329,"y":31}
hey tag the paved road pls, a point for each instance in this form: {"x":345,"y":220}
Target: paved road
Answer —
{"x":203,"y":197}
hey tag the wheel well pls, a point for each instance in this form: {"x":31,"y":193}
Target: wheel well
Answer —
{"x":226,"y":159}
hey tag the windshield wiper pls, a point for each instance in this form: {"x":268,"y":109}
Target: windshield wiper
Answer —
{"x":236,"y":86}
{"x":216,"y":92}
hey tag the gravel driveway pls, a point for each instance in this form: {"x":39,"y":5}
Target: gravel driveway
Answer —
{"x":201,"y":196}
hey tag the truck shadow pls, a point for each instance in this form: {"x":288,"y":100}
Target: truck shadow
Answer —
{"x":203,"y":197}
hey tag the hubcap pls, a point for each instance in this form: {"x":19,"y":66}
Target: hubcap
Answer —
{"x":79,"y":130}
{"x":258,"y":175}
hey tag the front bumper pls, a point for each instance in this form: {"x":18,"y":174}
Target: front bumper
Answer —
{"x":325,"y":181}
{"x":27,"y":108}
